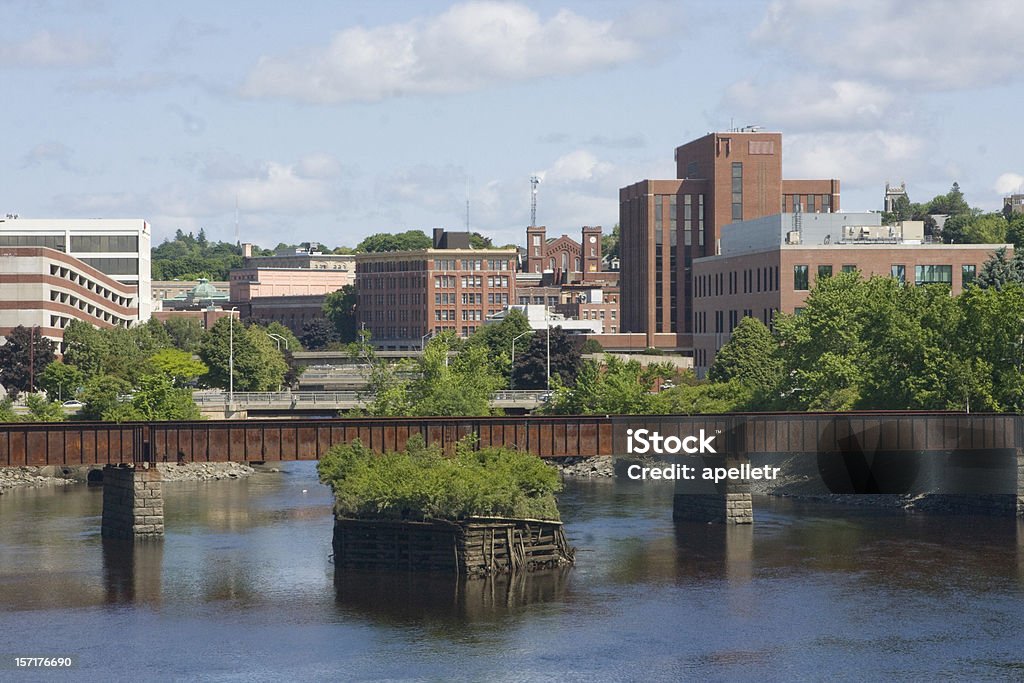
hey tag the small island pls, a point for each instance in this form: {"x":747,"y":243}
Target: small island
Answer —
{"x":476,"y":512}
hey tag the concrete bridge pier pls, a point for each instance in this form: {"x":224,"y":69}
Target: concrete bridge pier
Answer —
{"x":727,"y":502}
{"x":133,"y":502}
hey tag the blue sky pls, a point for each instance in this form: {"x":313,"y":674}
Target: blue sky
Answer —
{"x":342,"y":119}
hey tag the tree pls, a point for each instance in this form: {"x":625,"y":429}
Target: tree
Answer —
{"x":23,"y":359}
{"x":101,"y":396}
{"x":459,"y":386}
{"x":42,"y":410}
{"x":61,"y":381}
{"x":478,"y":241}
{"x":703,"y":398}
{"x":404,"y":241}
{"x":317,"y":334}
{"x":188,"y":257}
{"x":619,"y":388}
{"x":610,"y":244}
{"x":290,"y":341}
{"x":156,"y":399}
{"x":999,"y":270}
{"x":7,"y":413}
{"x":497,"y":338}
{"x":177,"y":365}
{"x":340,"y":308}
{"x":749,"y":357}
{"x":185,"y":334}
{"x":1015,"y":231}
{"x":951,"y":204}
{"x":258,"y":365}
{"x":531,"y":367}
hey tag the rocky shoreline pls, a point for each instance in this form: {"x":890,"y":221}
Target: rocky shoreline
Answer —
{"x":18,"y":477}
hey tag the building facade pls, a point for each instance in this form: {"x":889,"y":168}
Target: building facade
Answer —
{"x":767,"y":266}
{"x":666,"y":224}
{"x":53,"y":271}
{"x":405,"y":297}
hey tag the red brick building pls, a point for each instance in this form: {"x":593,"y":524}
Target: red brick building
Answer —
{"x":407,"y":296}
{"x":767,"y":266}
{"x":666,"y":224}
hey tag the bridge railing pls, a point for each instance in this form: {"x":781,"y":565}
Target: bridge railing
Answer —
{"x":331,"y":398}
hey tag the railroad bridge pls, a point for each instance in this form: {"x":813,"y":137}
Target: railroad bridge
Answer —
{"x":859,"y":452}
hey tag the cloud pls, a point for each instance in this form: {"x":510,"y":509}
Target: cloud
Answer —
{"x":431,"y":188}
{"x":190,"y":122}
{"x":48,"y":49}
{"x":52,"y":152}
{"x":811,"y":103}
{"x":143,"y":82}
{"x":939,"y":45}
{"x":1009,"y":183}
{"x":860,"y":159}
{"x":467,"y":47}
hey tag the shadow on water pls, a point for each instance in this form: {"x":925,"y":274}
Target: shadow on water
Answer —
{"x":132,"y":572}
{"x":411,"y":598}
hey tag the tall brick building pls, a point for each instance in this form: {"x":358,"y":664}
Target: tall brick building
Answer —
{"x":405,"y":296}
{"x":666,"y":224}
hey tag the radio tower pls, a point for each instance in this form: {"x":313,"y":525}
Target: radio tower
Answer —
{"x":534,"y":181}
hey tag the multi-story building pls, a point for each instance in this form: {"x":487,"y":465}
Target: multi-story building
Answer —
{"x":564,"y":257}
{"x":407,"y":296}
{"x":288,"y":288}
{"x":666,"y":224}
{"x":770,"y":264}
{"x":1013,"y":204}
{"x":53,"y":271}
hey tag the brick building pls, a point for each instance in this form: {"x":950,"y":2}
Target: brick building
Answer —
{"x":770,"y":264}
{"x":666,"y":224}
{"x":564,"y":257}
{"x":406,"y":296}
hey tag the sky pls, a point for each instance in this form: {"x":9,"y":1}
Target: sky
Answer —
{"x":329,"y":121}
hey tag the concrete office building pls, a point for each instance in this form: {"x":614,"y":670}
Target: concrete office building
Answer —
{"x":770,"y":264}
{"x":53,"y":271}
{"x":407,"y":296}
{"x":666,"y":224}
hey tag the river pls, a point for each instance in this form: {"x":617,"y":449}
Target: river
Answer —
{"x":242,"y":589}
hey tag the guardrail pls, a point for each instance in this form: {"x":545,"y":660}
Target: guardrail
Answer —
{"x":330,"y":399}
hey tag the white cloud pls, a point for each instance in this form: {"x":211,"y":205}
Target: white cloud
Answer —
{"x":467,"y":47}
{"x":810,"y":103}
{"x":48,"y":49}
{"x":1009,"y":183}
{"x":861,"y":160}
{"x":941,"y":44}
{"x":52,"y":152}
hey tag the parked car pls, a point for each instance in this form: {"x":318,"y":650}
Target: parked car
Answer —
{"x":72,"y":404}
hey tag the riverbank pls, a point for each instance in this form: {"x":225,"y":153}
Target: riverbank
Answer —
{"x":13,"y":477}
{"x":52,"y":475}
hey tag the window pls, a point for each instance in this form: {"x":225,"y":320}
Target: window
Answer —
{"x":824,"y":271}
{"x":536,"y":240}
{"x":737,"y":191}
{"x":104,"y":243}
{"x":849,"y":268}
{"x":800,"y":278}
{"x":899,"y":272}
{"x":930,"y":275}
{"x":967,"y":275}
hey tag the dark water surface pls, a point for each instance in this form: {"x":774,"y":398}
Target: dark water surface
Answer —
{"x":242,"y":589}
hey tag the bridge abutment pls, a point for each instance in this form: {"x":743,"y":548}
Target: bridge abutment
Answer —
{"x":133,"y":502}
{"x":727,"y":502}
{"x":1020,"y":482}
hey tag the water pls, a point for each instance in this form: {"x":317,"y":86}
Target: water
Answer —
{"x":242,"y":589}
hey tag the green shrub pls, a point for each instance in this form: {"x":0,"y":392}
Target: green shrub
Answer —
{"x":421,"y":483}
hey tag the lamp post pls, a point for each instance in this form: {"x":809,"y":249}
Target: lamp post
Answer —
{"x":278,"y":339}
{"x":512,"y":372}
{"x":547,"y":324}
{"x":231,"y":357}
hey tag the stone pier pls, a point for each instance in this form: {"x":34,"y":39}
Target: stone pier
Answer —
{"x":133,"y":503}
{"x":728,"y":502}
{"x":1020,"y":482}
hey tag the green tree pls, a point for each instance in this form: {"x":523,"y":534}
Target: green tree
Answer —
{"x":478,"y":241}
{"x":61,"y":381}
{"x":177,"y":365}
{"x":23,"y":359}
{"x":318,"y":334}
{"x":1000,"y":270}
{"x":1015,"y":231}
{"x":497,"y":338}
{"x":619,"y":388}
{"x":952,"y":203}
{"x":340,"y":308}
{"x":462,"y":385}
{"x":610,"y":244}
{"x":258,"y":365}
{"x":188,"y":257}
{"x":531,"y":367}
{"x":186,"y":334}
{"x":102,"y":395}
{"x":7,"y":413}
{"x":749,"y":357}
{"x":404,"y":241}
{"x":156,"y":399}
{"x":42,"y":410}
{"x":290,"y":341}
{"x":703,"y":398}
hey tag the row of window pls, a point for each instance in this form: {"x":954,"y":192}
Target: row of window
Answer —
{"x":810,"y":203}
{"x":700,"y":322}
{"x":764,"y":279}
{"x":473,"y":264}
{"x":88,"y":308}
{"x":413,"y":282}
{"x":598,"y":314}
{"x":923,"y":275}
{"x":82,"y":281}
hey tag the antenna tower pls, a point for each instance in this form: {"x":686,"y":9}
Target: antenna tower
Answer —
{"x":534,"y":181}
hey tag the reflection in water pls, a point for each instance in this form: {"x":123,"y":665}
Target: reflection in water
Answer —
{"x":132,"y":571}
{"x":242,"y":583}
{"x":403,"y":597}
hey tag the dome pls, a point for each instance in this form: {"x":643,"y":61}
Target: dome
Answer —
{"x":204,"y":290}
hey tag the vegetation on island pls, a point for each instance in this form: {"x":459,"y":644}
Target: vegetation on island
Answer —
{"x":420,"y":483}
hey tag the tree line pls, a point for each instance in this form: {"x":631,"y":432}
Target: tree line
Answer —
{"x":964,"y":224}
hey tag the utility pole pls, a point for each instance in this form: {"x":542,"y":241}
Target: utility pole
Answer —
{"x":547,"y":324}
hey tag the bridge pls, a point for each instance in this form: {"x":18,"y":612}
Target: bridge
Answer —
{"x":863,"y":452}
{"x":217,"y":403}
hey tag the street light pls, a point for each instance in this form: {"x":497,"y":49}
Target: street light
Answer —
{"x":512,"y":373}
{"x":231,"y":357}
{"x":547,"y":324}
{"x":278,"y":339}
{"x":423,"y":340}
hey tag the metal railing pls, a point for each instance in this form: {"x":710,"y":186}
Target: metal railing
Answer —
{"x":329,"y":399}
